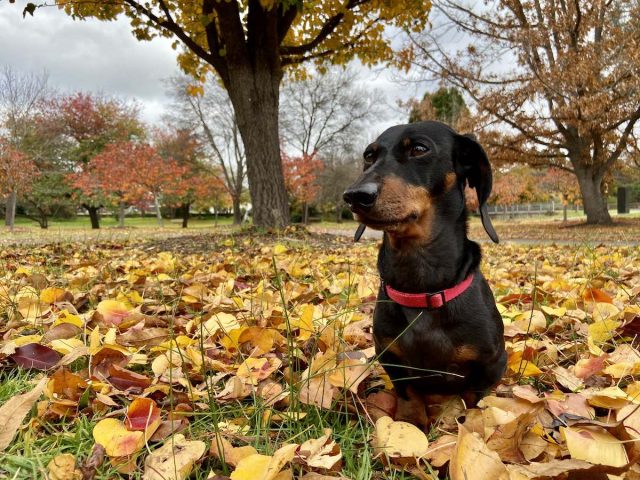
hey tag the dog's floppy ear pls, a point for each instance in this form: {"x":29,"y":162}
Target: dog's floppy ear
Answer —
{"x":473,"y":165}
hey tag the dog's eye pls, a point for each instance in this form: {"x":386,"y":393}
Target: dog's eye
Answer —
{"x":418,"y":150}
{"x":369,"y":157}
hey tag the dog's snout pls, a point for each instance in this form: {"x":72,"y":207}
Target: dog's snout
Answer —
{"x":361,"y":196}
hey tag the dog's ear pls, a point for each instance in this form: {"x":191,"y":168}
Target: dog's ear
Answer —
{"x":473,"y":165}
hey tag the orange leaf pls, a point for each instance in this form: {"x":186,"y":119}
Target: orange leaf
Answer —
{"x":596,"y":295}
{"x":143,"y":414}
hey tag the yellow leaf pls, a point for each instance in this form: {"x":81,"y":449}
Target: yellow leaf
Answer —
{"x":65,"y":317}
{"x":473,"y":460}
{"x":279,"y":249}
{"x":52,"y":295}
{"x":610,"y":397}
{"x":264,"y":467}
{"x":116,"y":439}
{"x":399,"y":440}
{"x":595,"y":445}
{"x":553,"y":312}
{"x":603,"y":330}
{"x":63,"y":467}
{"x":605,"y":311}
{"x":66,"y":346}
{"x":306,"y":322}
{"x":533,"y":321}
{"x":522,"y":367}
{"x":26,"y":339}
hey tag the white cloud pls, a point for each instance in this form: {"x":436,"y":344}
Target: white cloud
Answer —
{"x":104,"y":57}
{"x":88,"y":55}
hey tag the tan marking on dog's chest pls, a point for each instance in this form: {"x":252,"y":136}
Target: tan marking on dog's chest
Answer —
{"x":464,"y":353}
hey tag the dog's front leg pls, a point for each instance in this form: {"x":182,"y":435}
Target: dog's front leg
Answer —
{"x":410,"y":405}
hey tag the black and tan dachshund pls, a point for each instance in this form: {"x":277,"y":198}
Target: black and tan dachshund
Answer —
{"x":436,"y":326}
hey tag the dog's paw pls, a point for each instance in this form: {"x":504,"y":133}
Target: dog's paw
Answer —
{"x":412,"y":411}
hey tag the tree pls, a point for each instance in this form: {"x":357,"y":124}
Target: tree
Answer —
{"x":20,"y":97}
{"x":445,"y":105}
{"x":17,"y":172}
{"x":571,"y":98}
{"x":321,"y":115}
{"x":514,"y":185}
{"x":249,"y":44}
{"x":301,"y":177}
{"x":563,"y":184}
{"x":208,"y":111}
{"x":326,"y":111}
{"x":88,"y":123}
{"x":199,"y":183}
{"x":340,"y":168}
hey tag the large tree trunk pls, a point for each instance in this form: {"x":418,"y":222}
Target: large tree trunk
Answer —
{"x":305,"y":213}
{"x":10,"y":214}
{"x":255,"y":97}
{"x":185,"y":214}
{"x":93,"y":216}
{"x":595,"y":205}
{"x":237,"y":212}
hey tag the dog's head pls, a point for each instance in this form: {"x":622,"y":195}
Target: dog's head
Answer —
{"x":410,"y":171}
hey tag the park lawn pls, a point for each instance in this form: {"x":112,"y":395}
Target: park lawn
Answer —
{"x":264,"y":341}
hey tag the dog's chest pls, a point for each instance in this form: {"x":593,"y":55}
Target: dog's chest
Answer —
{"x":420,"y":338}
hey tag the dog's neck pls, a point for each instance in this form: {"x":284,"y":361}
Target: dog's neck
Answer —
{"x":443,"y":261}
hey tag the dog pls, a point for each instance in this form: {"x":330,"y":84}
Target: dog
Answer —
{"x":436,"y":327}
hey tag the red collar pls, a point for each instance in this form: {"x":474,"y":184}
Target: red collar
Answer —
{"x":428,"y":300}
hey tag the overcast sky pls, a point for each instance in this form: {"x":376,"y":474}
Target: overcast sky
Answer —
{"x":105,"y":57}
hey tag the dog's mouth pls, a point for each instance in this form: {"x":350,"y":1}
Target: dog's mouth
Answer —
{"x":385,"y":224}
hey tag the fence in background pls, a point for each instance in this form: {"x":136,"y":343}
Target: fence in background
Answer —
{"x":543,"y":208}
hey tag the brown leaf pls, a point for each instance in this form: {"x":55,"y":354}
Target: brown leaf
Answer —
{"x":14,"y":410}
{"x":67,"y":384}
{"x":124,"y":379}
{"x":141,"y":337}
{"x":60,"y":331}
{"x":90,"y":467}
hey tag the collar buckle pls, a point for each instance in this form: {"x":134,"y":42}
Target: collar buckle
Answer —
{"x":435,"y":300}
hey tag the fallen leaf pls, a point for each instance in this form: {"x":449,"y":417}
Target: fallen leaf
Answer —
{"x":35,"y":356}
{"x":63,"y":467}
{"x":116,"y":439}
{"x":14,"y":410}
{"x":144,"y":415}
{"x":473,"y":460}
{"x":174,"y":460}
{"x":399,"y":441}
{"x":264,"y":467}
{"x":594,"y":445}
{"x":322,"y":453}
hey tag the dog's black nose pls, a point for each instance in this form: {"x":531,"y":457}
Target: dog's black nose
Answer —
{"x":362,"y":196}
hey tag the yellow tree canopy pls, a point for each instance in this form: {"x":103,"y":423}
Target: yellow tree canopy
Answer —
{"x":220,"y":33}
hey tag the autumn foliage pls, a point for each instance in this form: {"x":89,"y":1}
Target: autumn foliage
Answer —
{"x":301,"y":176}
{"x":17,"y":171}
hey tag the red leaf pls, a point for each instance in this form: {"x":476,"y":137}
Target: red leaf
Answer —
{"x":141,"y":414}
{"x":34,"y":355}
